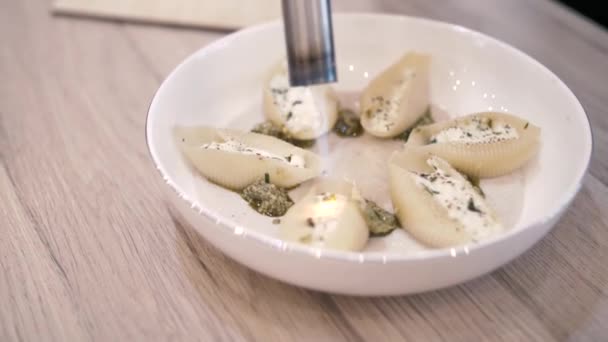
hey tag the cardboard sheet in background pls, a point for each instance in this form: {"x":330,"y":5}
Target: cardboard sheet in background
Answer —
{"x":217,"y":14}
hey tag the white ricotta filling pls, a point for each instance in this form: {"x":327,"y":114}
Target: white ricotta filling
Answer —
{"x":476,"y":131}
{"x":460,"y":200}
{"x":300,"y":107}
{"x":234,"y":146}
{"x":385,"y":110}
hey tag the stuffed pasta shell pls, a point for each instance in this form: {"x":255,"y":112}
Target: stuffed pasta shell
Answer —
{"x":435,"y":203}
{"x":481,"y":145}
{"x":329,"y":216}
{"x":304,"y":112}
{"x":397,"y":97}
{"x":235,"y":159}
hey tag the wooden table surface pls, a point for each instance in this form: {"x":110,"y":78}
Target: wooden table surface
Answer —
{"x":90,"y":252}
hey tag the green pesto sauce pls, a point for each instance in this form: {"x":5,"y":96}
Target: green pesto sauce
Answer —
{"x":424,"y":120}
{"x":379,"y":221}
{"x":348,"y":124}
{"x":278,"y":131}
{"x":267,"y":198}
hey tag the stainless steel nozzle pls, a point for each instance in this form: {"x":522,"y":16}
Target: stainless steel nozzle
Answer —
{"x":310,"y":42}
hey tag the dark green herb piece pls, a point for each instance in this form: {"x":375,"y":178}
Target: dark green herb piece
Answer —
{"x":266,"y":178}
{"x":268,"y":128}
{"x":278,"y":131}
{"x":267,"y":198}
{"x":310,"y":222}
{"x":348,"y":124}
{"x":471,"y":206}
{"x":306,"y":239}
{"x":475,"y":183}
{"x":301,"y":143}
{"x":424,"y":120}
{"x":276,"y":221}
{"x":526,"y":126}
{"x":279,"y":91}
{"x":325,"y":197}
{"x":379,"y":221}
{"x":479,"y":190}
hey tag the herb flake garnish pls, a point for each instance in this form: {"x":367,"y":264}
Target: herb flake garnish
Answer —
{"x":430,"y":191}
{"x":424,"y":120}
{"x":306,"y":239}
{"x":471,"y":206}
{"x":475,"y":183}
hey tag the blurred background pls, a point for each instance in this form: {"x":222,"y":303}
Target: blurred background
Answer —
{"x":234,"y":14}
{"x":591,"y":9}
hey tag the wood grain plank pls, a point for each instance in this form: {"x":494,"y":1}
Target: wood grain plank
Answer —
{"x":479,"y":310}
{"x":35,"y":294}
{"x":571,"y":262}
{"x":103,"y":238}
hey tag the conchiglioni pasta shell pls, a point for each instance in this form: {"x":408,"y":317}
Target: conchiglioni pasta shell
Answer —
{"x":274,"y":114}
{"x":415,"y":98}
{"x":417,"y":210}
{"x":351,"y":232}
{"x":481,"y":160}
{"x":236,"y":171}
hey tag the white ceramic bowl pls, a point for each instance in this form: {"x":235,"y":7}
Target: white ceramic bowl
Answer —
{"x":220,"y":85}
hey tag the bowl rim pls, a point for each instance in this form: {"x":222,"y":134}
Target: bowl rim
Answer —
{"x":264,"y":240}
